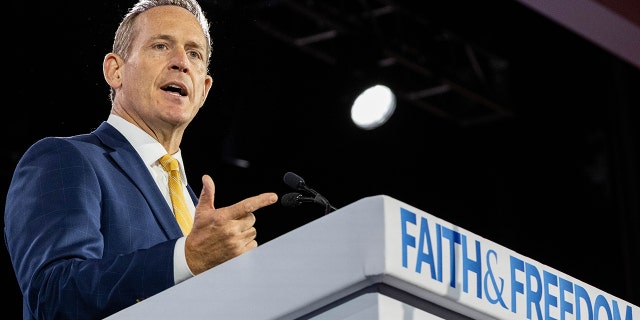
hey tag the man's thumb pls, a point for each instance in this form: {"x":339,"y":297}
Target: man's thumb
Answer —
{"x":208,"y":192}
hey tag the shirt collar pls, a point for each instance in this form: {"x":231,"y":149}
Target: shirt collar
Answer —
{"x":149,"y":149}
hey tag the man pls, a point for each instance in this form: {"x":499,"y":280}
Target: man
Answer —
{"x":88,"y":219}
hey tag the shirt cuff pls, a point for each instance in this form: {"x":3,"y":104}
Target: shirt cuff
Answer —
{"x":181,"y":271}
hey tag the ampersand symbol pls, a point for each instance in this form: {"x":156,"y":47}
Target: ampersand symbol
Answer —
{"x":489,"y":276}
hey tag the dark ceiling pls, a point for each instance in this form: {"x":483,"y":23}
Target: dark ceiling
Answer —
{"x":507,"y":124}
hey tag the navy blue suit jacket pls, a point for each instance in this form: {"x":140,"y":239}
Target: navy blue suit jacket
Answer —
{"x":88,"y":231}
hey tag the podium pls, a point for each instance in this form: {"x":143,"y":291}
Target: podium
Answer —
{"x":380,"y":258}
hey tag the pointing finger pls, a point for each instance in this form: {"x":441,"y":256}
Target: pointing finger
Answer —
{"x":248,"y":206}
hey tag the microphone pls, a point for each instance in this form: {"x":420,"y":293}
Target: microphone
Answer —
{"x":294,"y":199}
{"x":294,"y":181}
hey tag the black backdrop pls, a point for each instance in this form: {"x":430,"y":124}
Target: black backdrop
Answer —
{"x":557,"y":181}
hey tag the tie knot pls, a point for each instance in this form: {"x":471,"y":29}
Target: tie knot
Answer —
{"x":169,"y":163}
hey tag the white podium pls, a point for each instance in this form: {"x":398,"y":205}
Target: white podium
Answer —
{"x":379,"y":258}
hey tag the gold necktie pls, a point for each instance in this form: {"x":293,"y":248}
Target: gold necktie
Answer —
{"x":180,"y":209}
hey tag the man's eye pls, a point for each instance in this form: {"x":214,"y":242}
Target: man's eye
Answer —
{"x":160,"y":46}
{"x":195,"y":54}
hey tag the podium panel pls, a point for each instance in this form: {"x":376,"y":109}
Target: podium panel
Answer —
{"x":380,"y":258}
{"x":375,"y":306}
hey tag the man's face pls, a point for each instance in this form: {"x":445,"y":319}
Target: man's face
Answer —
{"x":164,"y":79}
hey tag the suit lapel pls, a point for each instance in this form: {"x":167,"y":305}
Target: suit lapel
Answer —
{"x":128,"y":159}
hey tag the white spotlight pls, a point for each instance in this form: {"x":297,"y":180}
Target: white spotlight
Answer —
{"x":373,"y":107}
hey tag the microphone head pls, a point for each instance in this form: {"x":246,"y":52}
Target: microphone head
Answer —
{"x":291,"y":199}
{"x":293,"y":180}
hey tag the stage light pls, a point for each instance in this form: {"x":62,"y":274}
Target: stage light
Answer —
{"x":373,"y":107}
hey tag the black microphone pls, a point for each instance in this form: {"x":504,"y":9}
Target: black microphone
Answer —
{"x":294,"y":181}
{"x":294,"y":199}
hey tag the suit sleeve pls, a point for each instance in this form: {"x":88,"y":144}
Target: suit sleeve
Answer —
{"x":61,"y":224}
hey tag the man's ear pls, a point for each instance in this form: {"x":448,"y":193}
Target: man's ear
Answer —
{"x":208,"y":83}
{"x":112,"y":69}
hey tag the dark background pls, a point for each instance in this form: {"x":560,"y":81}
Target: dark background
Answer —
{"x":533,"y":144}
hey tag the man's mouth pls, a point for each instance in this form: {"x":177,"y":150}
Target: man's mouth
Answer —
{"x":175,"y":89}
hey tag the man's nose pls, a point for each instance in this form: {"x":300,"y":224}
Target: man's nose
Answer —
{"x":180,"y":61}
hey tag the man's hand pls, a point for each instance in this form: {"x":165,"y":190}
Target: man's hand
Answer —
{"x":221,"y":234}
